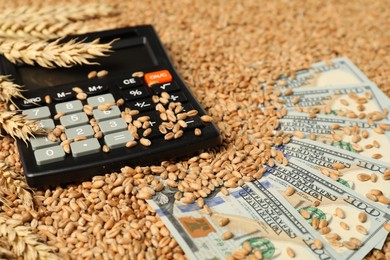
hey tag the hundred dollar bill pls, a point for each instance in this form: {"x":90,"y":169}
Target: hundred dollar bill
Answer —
{"x":339,"y":72}
{"x":362,"y":174}
{"x":356,"y":99}
{"x":255,"y":216}
{"x":321,"y":156}
{"x":323,"y":127}
{"x":317,"y":199}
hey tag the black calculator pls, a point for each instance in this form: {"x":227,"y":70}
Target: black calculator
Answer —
{"x":130,"y":109}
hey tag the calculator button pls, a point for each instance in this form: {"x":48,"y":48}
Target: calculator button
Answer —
{"x":118,"y":139}
{"x":30,"y":102}
{"x":95,"y":89}
{"x":101,"y":115}
{"x":129,"y":83}
{"x":100,"y":100}
{"x":113,"y":125}
{"x":41,"y":142}
{"x":85,"y":147}
{"x":84,"y":130}
{"x":166,"y":87}
{"x":72,"y":120}
{"x":141,"y":105}
{"x":37,"y":113}
{"x":178,"y":97}
{"x":136,"y":93}
{"x":154,"y":121}
{"x":64,"y":95}
{"x":158,"y":77}
{"x":49,"y":155}
{"x":46,"y":124}
{"x":69,"y":107}
{"x":193,"y":122}
{"x":187,"y":107}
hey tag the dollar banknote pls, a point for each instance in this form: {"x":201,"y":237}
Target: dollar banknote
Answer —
{"x":323,"y":127}
{"x":339,"y":72}
{"x":317,"y":198}
{"x":356,"y":99}
{"x":255,"y":217}
{"x":360,"y":173}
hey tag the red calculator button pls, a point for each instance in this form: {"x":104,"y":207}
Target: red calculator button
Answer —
{"x":158,"y":77}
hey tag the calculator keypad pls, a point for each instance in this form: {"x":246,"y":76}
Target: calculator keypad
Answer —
{"x":81,"y":128}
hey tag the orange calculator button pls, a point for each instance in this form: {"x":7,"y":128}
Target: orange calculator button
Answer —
{"x":158,"y":77}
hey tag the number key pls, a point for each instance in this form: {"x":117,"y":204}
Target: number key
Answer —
{"x":84,"y":130}
{"x":113,"y":125}
{"x":74,"y":119}
{"x":49,"y":155}
{"x":37,"y":113}
{"x":100,"y":100}
{"x":69,"y":107}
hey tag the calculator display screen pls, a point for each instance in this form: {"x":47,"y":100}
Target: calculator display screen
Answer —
{"x":122,"y":59}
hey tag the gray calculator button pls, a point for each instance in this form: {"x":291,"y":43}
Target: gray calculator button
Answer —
{"x":49,"y":155}
{"x":69,"y":107}
{"x":46,"y":124}
{"x":118,"y":139}
{"x":85,"y":147}
{"x":100,"y":100}
{"x":112,"y":125}
{"x":101,"y":115}
{"x":41,"y":142}
{"x":83,"y":130}
{"x":74,"y":119}
{"x":37,"y":113}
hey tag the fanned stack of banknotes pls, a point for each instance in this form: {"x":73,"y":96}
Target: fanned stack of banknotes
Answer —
{"x":300,"y":209}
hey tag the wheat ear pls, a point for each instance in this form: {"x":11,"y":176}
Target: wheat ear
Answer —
{"x":13,"y":184}
{"x":51,"y":22}
{"x":9,"y":89}
{"x":17,"y":126}
{"x":60,"y":12}
{"x":43,"y":30}
{"x":22,"y":242}
{"x":50,"y":55}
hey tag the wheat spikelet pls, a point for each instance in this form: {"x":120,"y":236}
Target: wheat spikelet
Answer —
{"x":50,"y":22}
{"x":22,"y":242}
{"x":9,"y":90}
{"x":50,"y":55}
{"x":17,"y":126}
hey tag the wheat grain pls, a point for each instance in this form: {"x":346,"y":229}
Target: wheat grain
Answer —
{"x":50,"y":55}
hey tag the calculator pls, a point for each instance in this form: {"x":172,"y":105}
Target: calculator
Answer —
{"x":132,"y":108}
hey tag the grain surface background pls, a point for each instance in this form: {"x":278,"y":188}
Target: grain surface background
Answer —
{"x":223,"y":50}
